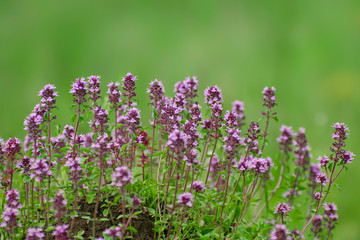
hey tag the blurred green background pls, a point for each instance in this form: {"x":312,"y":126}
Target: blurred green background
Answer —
{"x":309,"y":50}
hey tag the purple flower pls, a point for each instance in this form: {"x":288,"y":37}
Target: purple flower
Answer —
{"x":341,"y":131}
{"x":12,"y":147}
{"x":232,"y":142}
{"x":195,"y":113}
{"x":136,"y":202}
{"x":185,"y":198}
{"x":60,"y":205}
{"x":282,"y":208}
{"x":35,"y":234}
{"x":133,"y":118}
{"x":347,"y":156}
{"x":114,"y":94}
{"x":323,"y":160}
{"x":24,"y":165}
{"x":317,"y":196}
{"x":61,"y":232}
{"x":40,"y":170}
{"x":12,"y":199}
{"x":285,"y":138}
{"x":279,"y":233}
{"x":190,"y":88}
{"x":113,"y":232}
{"x":156,"y":92}
{"x":230,"y":119}
{"x":238,"y":110}
{"x":68,"y":133}
{"x":129,"y":87}
{"x":302,"y":150}
{"x":321,"y":178}
{"x":9,"y":216}
{"x":74,"y":165}
{"x":330,"y":215}
{"x":48,"y":96}
{"x":32,"y":124}
{"x":198,"y":186}
{"x":100,"y":119}
{"x":269,"y":97}
{"x":261,"y":165}
{"x":79,"y":90}
{"x":317,"y":225}
{"x":213,"y":95}
{"x":121,"y":177}
{"x":94,"y":87}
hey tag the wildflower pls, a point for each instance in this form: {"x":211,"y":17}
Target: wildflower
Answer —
{"x":59,"y":205}
{"x":317,"y":225}
{"x":156,"y":92}
{"x":94,"y":87}
{"x":282,"y":208}
{"x":12,"y":147}
{"x":114,"y":94}
{"x":285,"y":139}
{"x":9,"y":216}
{"x":12,"y":199}
{"x":323,"y":160}
{"x":100,"y":119}
{"x":185,"y":199}
{"x":321,"y":178}
{"x":35,"y":234}
{"x":74,"y":164}
{"x":198,"y":186}
{"x":32,"y":124}
{"x":230,"y":119}
{"x":269,"y":97}
{"x":133,"y":118}
{"x":261,"y":165}
{"x":129,"y":87}
{"x":135,"y":201}
{"x":48,"y":97}
{"x":190,"y":88}
{"x":40,"y":170}
{"x":61,"y":232}
{"x":317,"y":196}
{"x":195,"y":113}
{"x":79,"y":90}
{"x":213,"y":95}
{"x":330,"y":215}
{"x":121,"y":177}
{"x":113,"y":232}
{"x":24,"y":165}
{"x":302,"y":150}
{"x":238,"y":110}
{"x":347,"y":156}
{"x":279,"y":233}
{"x":68,"y":132}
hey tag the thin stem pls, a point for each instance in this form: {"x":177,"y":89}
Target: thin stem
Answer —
{"x":212,"y":155}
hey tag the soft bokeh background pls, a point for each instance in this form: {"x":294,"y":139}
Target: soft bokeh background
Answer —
{"x":308,"y":49}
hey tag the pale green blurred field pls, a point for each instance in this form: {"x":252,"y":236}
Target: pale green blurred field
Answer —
{"x":309,"y":50}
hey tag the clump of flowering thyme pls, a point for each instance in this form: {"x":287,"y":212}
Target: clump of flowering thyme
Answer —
{"x":199,"y":171}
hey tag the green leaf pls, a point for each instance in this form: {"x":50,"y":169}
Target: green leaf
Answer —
{"x":26,"y":179}
{"x":106,"y":212}
{"x":132,"y":229}
{"x":86,"y":217}
{"x":104,"y":219}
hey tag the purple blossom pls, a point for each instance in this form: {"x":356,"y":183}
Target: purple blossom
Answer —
{"x":232,"y":142}
{"x":317,"y":196}
{"x":321,"y":178}
{"x":282,"y":208}
{"x":156,"y":92}
{"x":24,"y":165}
{"x":74,"y":165}
{"x":133,"y":119}
{"x":129,"y":87}
{"x":279,"y":233}
{"x":317,"y":225}
{"x":48,"y":97}
{"x":136,"y":202}
{"x":32,"y":124}
{"x":60,"y":205}
{"x":12,"y":199}
{"x":180,"y":102}
{"x":213,"y":95}
{"x":100,"y":119}
{"x":177,"y":142}
{"x":121,"y":177}
{"x":190,"y":157}
{"x":35,"y":234}
{"x":302,"y":150}
{"x":94,"y":87}
{"x":114,"y":94}
{"x":330,"y":215}
{"x":261,"y":165}
{"x":113,"y":232}
{"x":314,"y":171}
{"x":40,"y":170}
{"x":285,"y":139}
{"x":190,"y":88}
{"x":79,"y":90}
{"x":185,"y":198}
{"x":198,"y":186}
{"x":61,"y":232}
{"x":347,"y":156}
{"x":12,"y":147}
{"x":9,"y":216}
{"x":238,"y":110}
{"x":230,"y":119}
{"x":68,"y":132}
{"x":323,"y":160}
{"x":269,"y":97}
{"x":195,"y":113}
